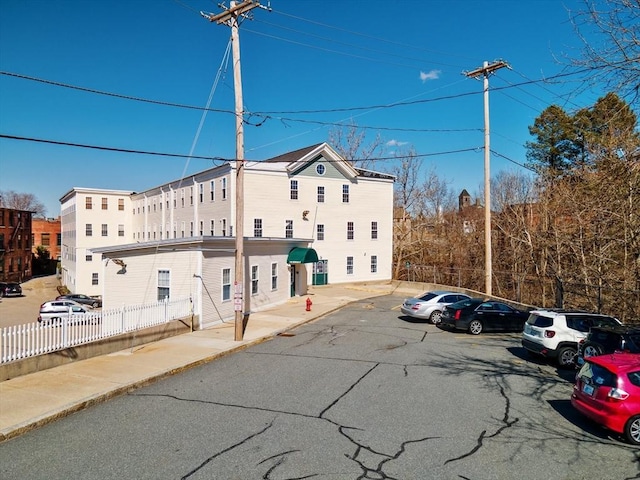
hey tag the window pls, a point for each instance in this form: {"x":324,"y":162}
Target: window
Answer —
{"x":288,"y":229}
{"x":201,"y":192}
{"x":121,"y":204}
{"x":175,"y":199}
{"x":59,"y":239}
{"x":213,"y":228}
{"x":320,"y":169}
{"x":349,"y":265}
{"x":190,"y":195}
{"x":320,"y":232}
{"x":212,"y":189}
{"x":226,"y":284}
{"x":191,"y":229}
{"x":94,"y":279}
{"x":254,"y":279}
{"x":320,"y":194}
{"x":182,"y":230}
{"x":121,"y":230}
{"x":88,"y":230}
{"x":105,"y":203}
{"x":274,"y":276}
{"x":201,"y":228}
{"x":257,"y":227}
{"x":167,"y":197}
{"x":349,"y":230}
{"x":294,"y":190}
{"x":374,"y":263}
{"x":45,"y":239}
{"x":345,"y":193}
{"x":104,"y":230}
{"x":223,"y":225}
{"x":374,"y":230}
{"x":224,"y":188}
{"x":88,"y":203}
{"x":88,"y":258}
{"x":182,"y":197}
{"x":164,"y":284}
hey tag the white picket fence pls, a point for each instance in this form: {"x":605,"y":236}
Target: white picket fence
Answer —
{"x":32,"y":339}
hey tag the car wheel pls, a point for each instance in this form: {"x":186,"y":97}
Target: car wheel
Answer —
{"x":591,"y":351}
{"x":94,"y":305}
{"x":436,"y":317}
{"x":632,"y":430}
{"x":567,"y":357}
{"x":475,"y":327}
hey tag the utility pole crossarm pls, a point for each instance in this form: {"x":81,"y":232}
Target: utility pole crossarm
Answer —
{"x":487,"y":69}
{"x":233,"y":11}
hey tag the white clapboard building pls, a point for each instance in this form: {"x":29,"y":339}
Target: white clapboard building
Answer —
{"x":310,"y":218}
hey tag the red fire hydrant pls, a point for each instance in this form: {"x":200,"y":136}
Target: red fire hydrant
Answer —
{"x":309,"y":303}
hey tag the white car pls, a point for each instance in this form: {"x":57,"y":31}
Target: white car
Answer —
{"x":555,"y":334}
{"x":57,"y":310}
{"x":429,"y":305}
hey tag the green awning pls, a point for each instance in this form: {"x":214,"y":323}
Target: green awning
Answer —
{"x":302,"y":255}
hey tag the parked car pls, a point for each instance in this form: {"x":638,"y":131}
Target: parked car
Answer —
{"x":607,"y":390}
{"x":57,"y":310}
{"x":555,"y":334}
{"x":83,"y":299}
{"x":429,"y":305}
{"x":477,"y":315}
{"x":603,"y":340}
{"x":10,"y":289}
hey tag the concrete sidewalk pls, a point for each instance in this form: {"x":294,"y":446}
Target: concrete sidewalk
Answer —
{"x":33,"y":400}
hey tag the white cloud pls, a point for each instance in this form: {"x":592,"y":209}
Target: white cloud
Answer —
{"x":395,"y":143}
{"x":432,"y":75}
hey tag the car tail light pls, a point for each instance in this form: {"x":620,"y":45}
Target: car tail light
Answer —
{"x":457,"y":315}
{"x":618,"y":394}
{"x":549,"y":334}
{"x":416,"y":307}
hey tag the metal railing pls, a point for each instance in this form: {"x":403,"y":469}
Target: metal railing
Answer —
{"x":70,"y":330}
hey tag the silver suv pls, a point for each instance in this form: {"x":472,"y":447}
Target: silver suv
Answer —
{"x":555,"y":334}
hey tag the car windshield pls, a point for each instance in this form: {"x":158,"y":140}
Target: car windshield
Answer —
{"x":428,"y":296}
{"x":539,"y":320}
{"x":598,"y":375}
{"x":605,"y":321}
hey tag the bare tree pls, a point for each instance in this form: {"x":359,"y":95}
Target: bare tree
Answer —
{"x":610,"y":33}
{"x":349,"y":142}
{"x":22,"y":201}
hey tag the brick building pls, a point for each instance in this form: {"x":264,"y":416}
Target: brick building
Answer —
{"x":15,"y":245}
{"x":45,"y":232}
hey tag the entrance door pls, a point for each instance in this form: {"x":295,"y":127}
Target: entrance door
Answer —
{"x":292,"y":280}
{"x":320,"y":273}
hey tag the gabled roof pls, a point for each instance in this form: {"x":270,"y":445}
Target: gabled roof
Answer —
{"x":293,"y":156}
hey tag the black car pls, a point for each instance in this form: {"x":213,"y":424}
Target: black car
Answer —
{"x":83,"y":299}
{"x":10,"y":289}
{"x":477,"y":315}
{"x":609,"y":339}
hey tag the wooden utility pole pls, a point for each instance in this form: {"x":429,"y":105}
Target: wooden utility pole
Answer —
{"x":230,"y":17}
{"x":485,"y":71}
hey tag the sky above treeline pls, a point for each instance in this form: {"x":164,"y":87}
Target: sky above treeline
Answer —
{"x":137,"y":79}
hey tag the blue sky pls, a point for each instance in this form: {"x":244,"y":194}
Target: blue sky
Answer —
{"x":340,"y":61}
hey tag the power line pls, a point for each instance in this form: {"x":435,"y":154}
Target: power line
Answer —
{"x":200,"y":157}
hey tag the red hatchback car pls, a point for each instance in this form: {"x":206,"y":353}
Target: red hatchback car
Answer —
{"x":607,"y":390}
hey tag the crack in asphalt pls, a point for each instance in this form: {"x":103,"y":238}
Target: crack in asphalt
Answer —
{"x":483,"y":435}
{"x":375,"y":472}
{"x":222,"y":452}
